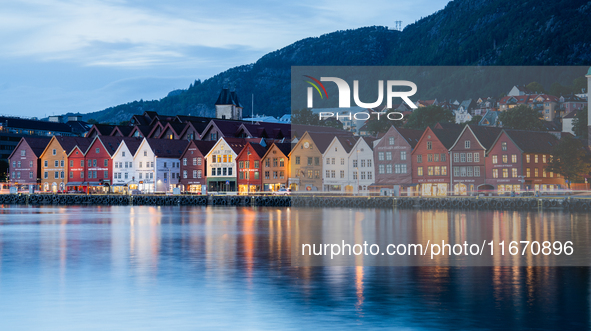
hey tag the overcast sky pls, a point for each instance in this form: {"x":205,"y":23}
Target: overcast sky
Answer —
{"x":59,"y":56}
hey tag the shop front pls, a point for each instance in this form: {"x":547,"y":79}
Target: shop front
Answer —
{"x":221,"y":184}
{"x":76,"y":187}
{"x":434,"y":189}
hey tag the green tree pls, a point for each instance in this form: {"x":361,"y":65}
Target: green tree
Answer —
{"x":475,"y":120}
{"x":423,"y":117}
{"x":580,"y":124}
{"x":536,"y":87}
{"x":521,"y":117}
{"x":570,"y":159}
{"x":579,"y":84}
{"x":558,"y":89}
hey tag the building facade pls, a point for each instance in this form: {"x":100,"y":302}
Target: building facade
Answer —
{"x":193,"y":166}
{"x":275,"y":167}
{"x":221,"y":165}
{"x":249,"y":168}
{"x":336,"y":175}
{"x":24,"y":163}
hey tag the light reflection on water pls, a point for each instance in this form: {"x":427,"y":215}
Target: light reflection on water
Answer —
{"x":177,"y":268}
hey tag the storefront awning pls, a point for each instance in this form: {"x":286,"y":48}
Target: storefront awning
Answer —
{"x":94,"y":184}
{"x":74,"y":184}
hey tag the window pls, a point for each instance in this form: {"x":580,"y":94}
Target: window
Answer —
{"x":456,"y":171}
{"x":469,"y":157}
{"x":494,"y":159}
{"x":363,"y":175}
{"x":281,"y":163}
{"x":429,"y":145}
{"x":71,"y":174}
{"x":536,"y":158}
{"x":462,"y":171}
{"x":327,"y":173}
{"x":403,"y":155}
{"x":333,"y":174}
{"x":23,"y":152}
{"x":391,"y":141}
{"x":71,"y":163}
{"x":184,"y":161}
{"x":495,"y":173}
{"x":476,"y":157}
{"x":342,"y":174}
{"x":467,"y":144}
{"x":536,"y":172}
{"x":297,"y":160}
{"x":527,"y":158}
{"x":267,"y":175}
{"x":107,"y":163}
{"x":62,"y":175}
{"x":54,"y":152}
{"x":456,"y":157}
{"x":388,"y":168}
{"x":369,"y":163}
{"x":333,"y":161}
{"x":310,"y":174}
{"x":106,"y":174}
{"x":369,"y":175}
{"x":316,"y":160}
{"x":343,"y":160}
{"x":256,"y":175}
{"x":469,"y":171}
{"x":430,"y":171}
{"x":505,"y":173}
{"x":45,"y":175}
{"x":397,"y":168}
{"x":436,"y":157}
{"x":388,"y":156}
{"x":362,"y":163}
{"x":199,"y":160}
{"x":514,"y":172}
{"x":419,"y":158}
{"x":504,"y":146}
{"x":327,"y":160}
{"x":462,"y":157}
{"x":443,"y":157}
{"x":354,"y":163}
{"x":437,"y":171}
{"x":429,"y":157}
{"x":381,"y":168}
{"x":31,"y":174}
{"x":527,"y":172}
{"x":381,"y":156}
{"x":504,"y":158}
{"x":544,"y":158}
{"x":514,"y":158}
{"x":420,"y":171}
{"x":354,"y":174}
{"x":81,"y":174}
{"x":241,"y":175}
{"x":543,"y":172}
{"x":56,"y":163}
{"x":94,"y":163}
{"x":309,"y":161}
{"x":256,"y":164}
{"x":31,"y":164}
{"x":476,"y":171}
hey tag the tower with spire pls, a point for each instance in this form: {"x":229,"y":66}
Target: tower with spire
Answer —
{"x":228,"y":105}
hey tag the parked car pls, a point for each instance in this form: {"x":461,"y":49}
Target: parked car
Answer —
{"x":283,"y":191}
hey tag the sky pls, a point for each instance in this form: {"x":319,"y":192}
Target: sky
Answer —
{"x":59,"y":56}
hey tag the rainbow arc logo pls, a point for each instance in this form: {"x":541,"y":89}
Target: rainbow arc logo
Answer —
{"x":316,"y":86}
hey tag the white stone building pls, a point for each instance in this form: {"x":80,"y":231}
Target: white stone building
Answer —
{"x":124,"y":174}
{"x":157,"y":165}
{"x":221,"y":165}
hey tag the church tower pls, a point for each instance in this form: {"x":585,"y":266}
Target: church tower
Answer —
{"x":228,"y":105}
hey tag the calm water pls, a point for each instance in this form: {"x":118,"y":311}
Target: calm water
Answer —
{"x":175,"y":268}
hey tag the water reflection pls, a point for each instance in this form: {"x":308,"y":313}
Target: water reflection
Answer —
{"x":186,"y":268}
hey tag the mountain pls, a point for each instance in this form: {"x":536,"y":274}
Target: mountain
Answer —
{"x":465,"y":32}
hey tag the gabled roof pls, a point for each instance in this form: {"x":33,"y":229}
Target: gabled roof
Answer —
{"x":448,"y":136}
{"x":167,"y":148}
{"x":257,"y":148}
{"x":322,"y":140}
{"x":37,"y":145}
{"x":69,"y":143}
{"x":486,"y":135}
{"x":177,"y":128}
{"x":532,"y":141}
{"x":198,"y":126}
{"x":132,"y":143}
{"x":572,"y":114}
{"x":102,"y":129}
{"x":411,"y":136}
{"x":203,"y":146}
{"x":227,"y":128}
{"x":110,"y":143}
{"x":347,"y":142}
{"x":285,"y":148}
{"x":122,"y":130}
{"x":144,"y":130}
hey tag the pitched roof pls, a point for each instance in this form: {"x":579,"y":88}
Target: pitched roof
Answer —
{"x":411,"y":136}
{"x":111,"y":143}
{"x":347,"y":142}
{"x":486,"y":135}
{"x":69,"y":143}
{"x":167,"y":147}
{"x":143,"y":129}
{"x":533,"y":141}
{"x":104,"y":129}
{"x":235,"y":143}
{"x":572,"y":114}
{"x":204,"y":146}
{"x":322,"y":140}
{"x":285,"y":148}
{"x":448,"y":136}
{"x":124,"y":130}
{"x":259,"y":149}
{"x":228,"y":97}
{"x":36,"y":144}
{"x":132,"y":143}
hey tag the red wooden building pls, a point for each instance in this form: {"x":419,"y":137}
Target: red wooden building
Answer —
{"x":517,"y":162}
{"x":24,"y":162}
{"x":99,"y":164}
{"x":249,"y":168}
{"x":430,"y":160}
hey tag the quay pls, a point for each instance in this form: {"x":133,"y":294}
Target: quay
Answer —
{"x":474,"y":203}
